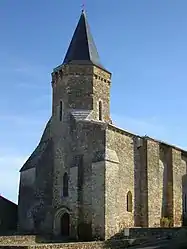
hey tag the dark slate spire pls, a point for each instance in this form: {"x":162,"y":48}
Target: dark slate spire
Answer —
{"x":82,"y":49}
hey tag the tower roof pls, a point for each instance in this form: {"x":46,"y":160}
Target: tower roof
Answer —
{"x":82,"y":49}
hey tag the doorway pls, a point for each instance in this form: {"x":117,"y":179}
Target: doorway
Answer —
{"x":65,"y":224}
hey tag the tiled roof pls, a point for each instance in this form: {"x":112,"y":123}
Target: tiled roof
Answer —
{"x":82,"y":49}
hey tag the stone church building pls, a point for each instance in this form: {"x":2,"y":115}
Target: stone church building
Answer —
{"x":87,"y":176}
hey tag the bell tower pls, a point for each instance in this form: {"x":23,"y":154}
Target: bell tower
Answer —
{"x":81,"y":84}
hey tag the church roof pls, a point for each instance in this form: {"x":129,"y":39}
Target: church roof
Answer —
{"x":82,"y":49}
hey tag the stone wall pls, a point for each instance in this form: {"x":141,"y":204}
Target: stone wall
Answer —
{"x":179,"y":170}
{"x":184,"y":191}
{"x":98,"y":199}
{"x":101,"y":92}
{"x":112,"y":218}
{"x":141,"y":183}
{"x":73,"y":84}
{"x":86,"y":141}
{"x":91,"y":145}
{"x":155,"y":184}
{"x":8,"y":216}
{"x":122,"y":181}
{"x":81,"y":87}
{"x":91,"y":245}
{"x":17,"y":240}
{"x":44,"y":242}
{"x":165,"y":171}
{"x":137,"y":182}
{"x":35,"y":191}
{"x":26,"y":200}
{"x":42,"y":210}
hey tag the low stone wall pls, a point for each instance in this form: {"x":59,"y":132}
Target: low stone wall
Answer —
{"x":17,"y":240}
{"x":78,"y":245}
{"x":28,"y":242}
{"x":127,"y":237}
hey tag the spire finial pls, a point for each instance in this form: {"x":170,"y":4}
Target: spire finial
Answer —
{"x":83,"y":6}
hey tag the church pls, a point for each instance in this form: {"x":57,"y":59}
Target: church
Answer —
{"x":88,"y":177}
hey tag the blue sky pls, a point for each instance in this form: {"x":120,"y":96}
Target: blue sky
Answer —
{"x":143,"y":43}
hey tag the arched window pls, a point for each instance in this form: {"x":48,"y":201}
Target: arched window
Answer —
{"x":100,"y":110}
{"x":129,"y":202}
{"x":65,"y":185}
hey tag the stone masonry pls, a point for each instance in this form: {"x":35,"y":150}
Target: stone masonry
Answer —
{"x":88,"y":178}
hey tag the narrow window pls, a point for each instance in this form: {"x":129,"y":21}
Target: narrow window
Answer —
{"x":65,"y":185}
{"x":60,"y":111}
{"x":185,"y":207}
{"x":129,"y":202}
{"x":80,"y":164}
{"x":100,"y":110}
{"x":80,"y":172}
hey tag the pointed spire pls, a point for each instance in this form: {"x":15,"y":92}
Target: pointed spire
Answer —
{"x":82,"y":49}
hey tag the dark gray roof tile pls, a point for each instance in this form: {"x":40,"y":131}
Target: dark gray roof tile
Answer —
{"x":82,"y":47}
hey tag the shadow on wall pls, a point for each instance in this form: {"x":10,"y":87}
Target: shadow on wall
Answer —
{"x":84,"y":232}
{"x":131,"y":237}
{"x":141,"y":185}
{"x":8,"y":216}
{"x":116,"y":241}
{"x":184,"y":200}
{"x":160,"y":237}
{"x":84,"y":235}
